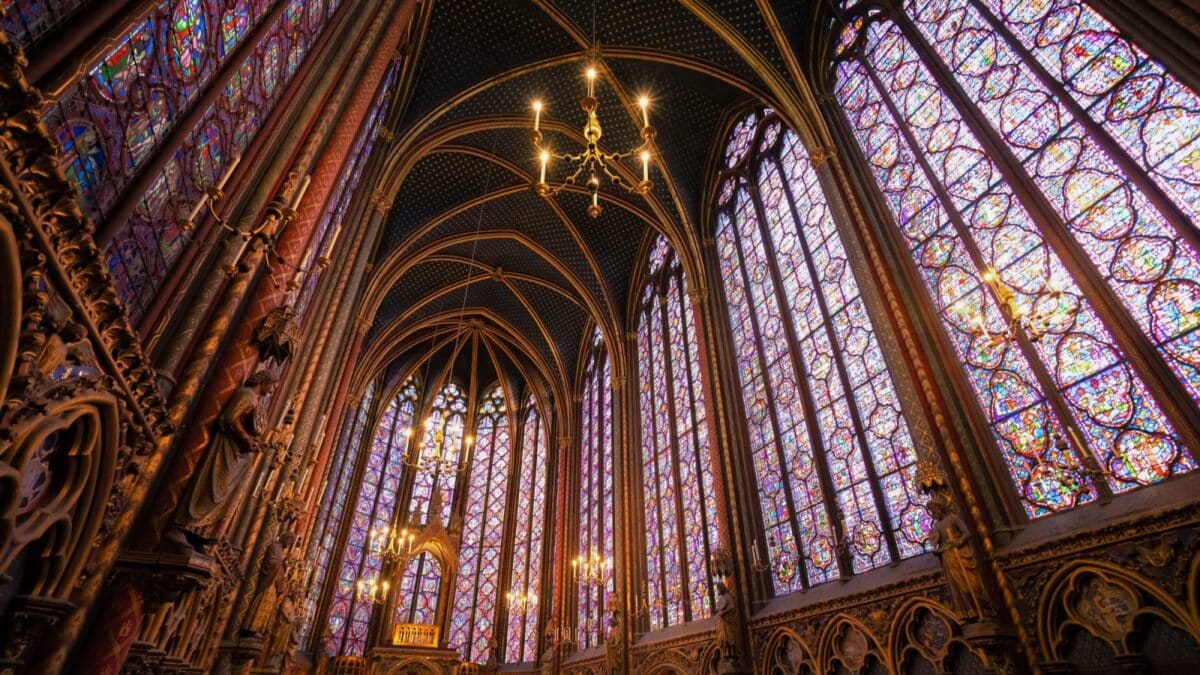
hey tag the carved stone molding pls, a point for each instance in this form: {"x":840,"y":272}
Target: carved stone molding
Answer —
{"x":165,"y":576}
{"x":30,"y":618}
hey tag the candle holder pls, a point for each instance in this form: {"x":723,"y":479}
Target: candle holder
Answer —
{"x":593,"y":162}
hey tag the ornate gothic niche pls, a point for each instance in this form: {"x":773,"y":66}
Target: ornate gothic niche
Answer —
{"x":848,"y":646}
{"x":1095,"y":613}
{"x":925,"y":638}
{"x":58,"y":460}
{"x":784,"y":653}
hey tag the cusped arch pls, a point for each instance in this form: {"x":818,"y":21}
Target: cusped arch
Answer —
{"x":849,"y":643}
{"x":1107,"y":601}
{"x":925,"y":628}
{"x":785,"y":653}
{"x":65,"y":456}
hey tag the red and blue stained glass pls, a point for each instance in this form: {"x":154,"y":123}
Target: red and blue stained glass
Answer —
{"x":528,"y":537}
{"x":333,"y":504}
{"x":678,"y":489}
{"x":374,"y":512}
{"x":472,"y":623}
{"x":1072,"y":103}
{"x":417,"y":594}
{"x":114,"y":119}
{"x":596,"y":488}
{"x":816,"y":389}
{"x":442,"y":435}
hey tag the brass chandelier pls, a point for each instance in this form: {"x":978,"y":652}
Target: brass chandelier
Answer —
{"x":592,"y":161}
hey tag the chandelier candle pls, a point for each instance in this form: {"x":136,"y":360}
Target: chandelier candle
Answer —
{"x":593,"y":161}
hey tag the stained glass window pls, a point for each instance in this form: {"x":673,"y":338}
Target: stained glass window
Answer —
{"x":442,"y":436}
{"x":528,"y":535}
{"x":477,"y":588}
{"x":596,"y":488}
{"x":418,"y":591}
{"x":349,"y":617}
{"x":339,"y":201}
{"x":677,"y":479}
{"x":832,"y":453}
{"x":1035,"y":161}
{"x":333,"y":504}
{"x":28,"y":21}
{"x":117,"y":117}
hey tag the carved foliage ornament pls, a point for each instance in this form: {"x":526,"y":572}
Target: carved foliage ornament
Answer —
{"x":278,"y":334}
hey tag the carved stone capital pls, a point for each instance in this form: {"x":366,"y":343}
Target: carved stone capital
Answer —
{"x":380,"y":201}
{"x":820,"y":155}
{"x":30,"y":618}
{"x":165,"y":576}
{"x":697,"y":295}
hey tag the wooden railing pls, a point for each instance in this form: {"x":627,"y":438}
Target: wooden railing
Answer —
{"x":415,"y":635}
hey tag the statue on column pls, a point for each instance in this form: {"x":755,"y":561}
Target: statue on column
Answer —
{"x":227,"y":466}
{"x":614,"y":654}
{"x":549,"y":655}
{"x":729,"y":625}
{"x":271,"y":586}
{"x":951,"y":543}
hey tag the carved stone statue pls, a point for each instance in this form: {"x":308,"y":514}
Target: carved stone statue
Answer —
{"x":615,"y":648}
{"x":729,"y":625}
{"x":271,"y":586}
{"x":549,"y":656}
{"x":951,"y":542}
{"x":492,"y":664}
{"x":205,"y":511}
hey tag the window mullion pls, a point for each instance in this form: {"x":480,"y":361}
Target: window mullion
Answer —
{"x":1029,"y":353}
{"x":839,"y":362}
{"x":1140,"y":353}
{"x":769,"y":386}
{"x":811,"y":421}
{"x":673,"y":448}
{"x":658,"y":478}
{"x":693,"y":393}
{"x":1130,"y":168}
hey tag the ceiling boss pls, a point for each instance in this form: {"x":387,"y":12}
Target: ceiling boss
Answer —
{"x":593,"y":161}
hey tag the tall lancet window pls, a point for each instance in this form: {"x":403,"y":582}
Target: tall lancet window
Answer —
{"x":528,"y":536}
{"x":349,"y":616}
{"x":333,"y":504}
{"x":596,"y":514}
{"x":832,"y":453}
{"x":442,"y":435}
{"x":116,"y":118}
{"x":677,"y":477}
{"x":417,"y":595}
{"x":1041,"y":166}
{"x":477,"y":588}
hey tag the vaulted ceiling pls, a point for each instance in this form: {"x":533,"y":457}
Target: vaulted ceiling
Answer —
{"x":467,"y":236}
